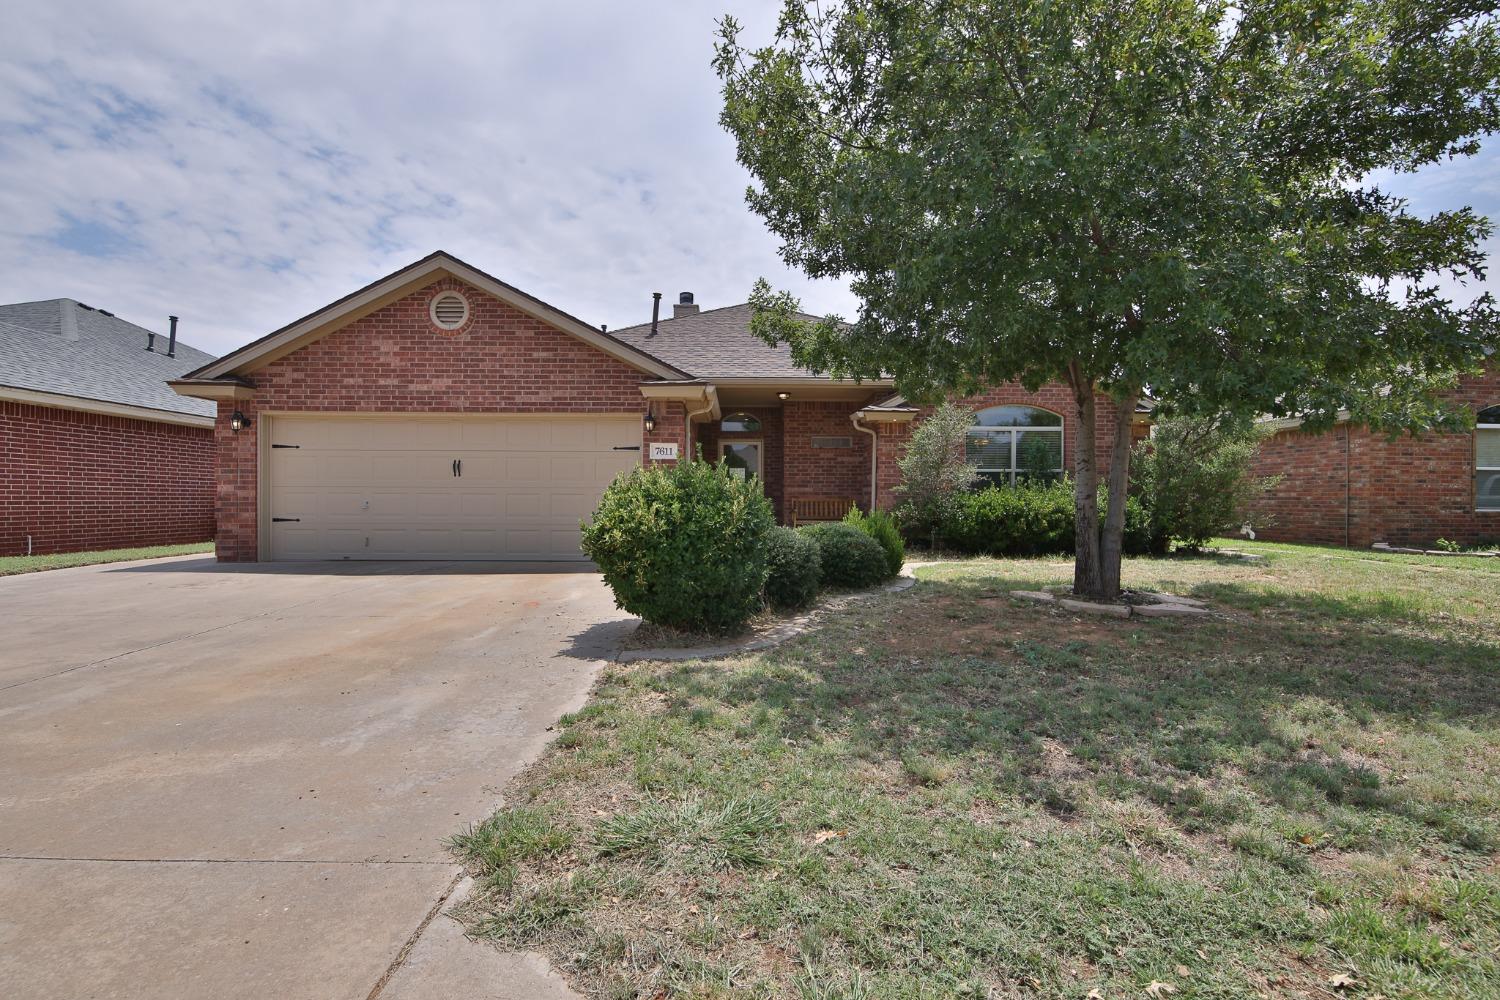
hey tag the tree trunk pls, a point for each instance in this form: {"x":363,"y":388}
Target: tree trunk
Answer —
{"x":1088,"y":579}
{"x":1112,"y":544}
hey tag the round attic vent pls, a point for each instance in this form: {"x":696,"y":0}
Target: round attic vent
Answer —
{"x":449,"y":310}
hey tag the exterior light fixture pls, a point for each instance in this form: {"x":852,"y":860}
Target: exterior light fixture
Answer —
{"x":238,"y":422}
{"x":783,"y":396}
{"x":650,"y":421}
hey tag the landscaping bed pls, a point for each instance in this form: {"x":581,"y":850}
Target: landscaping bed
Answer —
{"x":950,"y":793}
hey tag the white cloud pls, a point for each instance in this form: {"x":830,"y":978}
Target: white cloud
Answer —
{"x":242,"y":167}
{"x":244,"y":164}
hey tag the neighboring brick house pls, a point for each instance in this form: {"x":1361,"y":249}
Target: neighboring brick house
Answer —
{"x":1349,"y":486}
{"x":441,"y":413}
{"x":96,"y":452}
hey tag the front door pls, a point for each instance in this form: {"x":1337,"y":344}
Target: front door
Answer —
{"x":742,"y":458}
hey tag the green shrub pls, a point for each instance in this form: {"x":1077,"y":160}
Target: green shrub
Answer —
{"x":935,"y":476}
{"x":1193,"y":476}
{"x":882,"y":527}
{"x":795,"y":569}
{"x":1032,"y":518}
{"x":850,"y":558}
{"x":683,"y":545}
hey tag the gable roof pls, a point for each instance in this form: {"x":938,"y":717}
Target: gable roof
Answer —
{"x":62,"y":347}
{"x":717,"y":343}
{"x":398,"y":284}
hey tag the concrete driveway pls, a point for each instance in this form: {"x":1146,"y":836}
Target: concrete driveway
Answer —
{"x":237,"y":781}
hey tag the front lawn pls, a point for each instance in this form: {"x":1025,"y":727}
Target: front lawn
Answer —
{"x":11,"y":565}
{"x":947,"y":792}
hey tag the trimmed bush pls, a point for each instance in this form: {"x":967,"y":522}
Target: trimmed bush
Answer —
{"x":1196,"y":477}
{"x":1032,"y":519}
{"x":850,"y":558}
{"x":683,"y":545}
{"x":882,"y":527}
{"x":795,"y":565}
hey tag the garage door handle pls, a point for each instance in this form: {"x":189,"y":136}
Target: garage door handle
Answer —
{"x":276,"y":520}
{"x":627,"y":447}
{"x":286,"y":446}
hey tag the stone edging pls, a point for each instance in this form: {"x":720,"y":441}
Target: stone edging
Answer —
{"x":775,"y":635}
{"x":1405,"y":551}
{"x":1165,"y":605}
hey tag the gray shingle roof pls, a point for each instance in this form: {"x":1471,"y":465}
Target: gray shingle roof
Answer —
{"x":98,"y":356}
{"x":715,"y":343}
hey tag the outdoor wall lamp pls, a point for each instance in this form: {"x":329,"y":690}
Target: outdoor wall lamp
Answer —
{"x":650,"y":421}
{"x":238,"y":422}
{"x":783,"y":396}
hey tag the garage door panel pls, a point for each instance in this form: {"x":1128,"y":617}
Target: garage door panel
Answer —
{"x":384,"y":487}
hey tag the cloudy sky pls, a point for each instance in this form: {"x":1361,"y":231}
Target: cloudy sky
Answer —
{"x":243,"y":164}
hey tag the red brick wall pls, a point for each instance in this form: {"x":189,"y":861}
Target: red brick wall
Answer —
{"x":1058,"y":398}
{"x":1406,"y":491}
{"x":395,"y":360}
{"x":77,"y":481}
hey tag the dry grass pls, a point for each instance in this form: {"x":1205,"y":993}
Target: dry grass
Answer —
{"x":949,"y":793}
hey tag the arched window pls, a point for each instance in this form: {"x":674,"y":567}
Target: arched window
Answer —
{"x":1487,"y":459}
{"x":1013,"y":444}
{"x":737,"y":423}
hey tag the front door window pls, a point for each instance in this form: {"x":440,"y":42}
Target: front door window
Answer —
{"x":742,"y":458}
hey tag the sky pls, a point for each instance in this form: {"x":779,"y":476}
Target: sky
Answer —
{"x":241,"y":165}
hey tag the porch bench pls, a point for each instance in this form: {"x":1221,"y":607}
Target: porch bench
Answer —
{"x":811,"y":510}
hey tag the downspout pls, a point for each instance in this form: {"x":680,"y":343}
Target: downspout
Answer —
{"x":1346,"y":485}
{"x":874,"y":451}
{"x":710,"y":400}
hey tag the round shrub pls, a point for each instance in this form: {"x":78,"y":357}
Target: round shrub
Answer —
{"x":795,"y":569}
{"x":850,"y":557}
{"x":683,"y":545}
{"x":882,"y":527}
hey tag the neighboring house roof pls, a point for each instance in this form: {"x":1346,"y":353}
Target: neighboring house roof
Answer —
{"x":716,"y":343}
{"x":403,"y":282}
{"x":61,"y":347}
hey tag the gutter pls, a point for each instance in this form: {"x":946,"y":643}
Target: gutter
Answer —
{"x":874,"y":455}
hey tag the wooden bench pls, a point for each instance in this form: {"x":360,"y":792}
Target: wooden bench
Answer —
{"x":810,"y":510}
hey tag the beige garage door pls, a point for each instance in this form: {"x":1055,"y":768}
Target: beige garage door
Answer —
{"x":442,"y":487}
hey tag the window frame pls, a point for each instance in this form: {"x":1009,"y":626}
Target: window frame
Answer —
{"x":1493,"y":428}
{"x":743,"y":416}
{"x":1015,"y":433}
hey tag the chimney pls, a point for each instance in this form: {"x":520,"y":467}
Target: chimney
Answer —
{"x":67,"y":320}
{"x":172,"y":337}
{"x":655,"y":311}
{"x":684,"y":306}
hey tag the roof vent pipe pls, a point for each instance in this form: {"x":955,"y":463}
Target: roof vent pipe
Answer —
{"x":172,"y":337}
{"x":655,"y":310}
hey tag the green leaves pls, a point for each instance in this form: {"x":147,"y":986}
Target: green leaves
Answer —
{"x":1165,"y":194}
{"x":683,"y":545}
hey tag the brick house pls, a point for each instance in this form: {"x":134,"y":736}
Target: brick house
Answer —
{"x":96,"y":452}
{"x":1349,"y":486}
{"x":441,"y":413}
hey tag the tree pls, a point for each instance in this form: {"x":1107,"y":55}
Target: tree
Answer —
{"x":1195,"y":477}
{"x":1128,"y":196}
{"x":934,"y":472}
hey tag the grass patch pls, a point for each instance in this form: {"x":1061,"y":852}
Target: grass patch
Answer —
{"x":12,"y":565}
{"x":947,"y":793}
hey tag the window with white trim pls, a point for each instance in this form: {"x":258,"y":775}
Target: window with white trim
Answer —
{"x":1487,"y":459}
{"x":1011,"y":444}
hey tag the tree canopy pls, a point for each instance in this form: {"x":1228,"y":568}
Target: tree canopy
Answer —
{"x":1170,"y":196}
